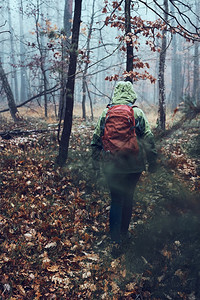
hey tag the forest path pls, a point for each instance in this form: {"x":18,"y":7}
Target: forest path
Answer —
{"x":54,"y":224}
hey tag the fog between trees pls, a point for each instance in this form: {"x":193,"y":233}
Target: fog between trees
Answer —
{"x":35,"y":38}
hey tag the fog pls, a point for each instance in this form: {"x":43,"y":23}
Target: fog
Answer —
{"x":31,"y":33}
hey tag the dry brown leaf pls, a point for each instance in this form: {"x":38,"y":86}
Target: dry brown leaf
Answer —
{"x":51,"y":244}
{"x":53,"y":268}
{"x":21,"y":290}
{"x":86,"y":274}
{"x":131,"y":286}
{"x":115,"y":287}
{"x":123,"y":273}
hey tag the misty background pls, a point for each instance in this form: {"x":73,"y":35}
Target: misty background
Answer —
{"x":35,"y":36}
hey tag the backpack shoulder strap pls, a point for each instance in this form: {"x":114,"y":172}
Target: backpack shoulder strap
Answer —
{"x":109,"y":105}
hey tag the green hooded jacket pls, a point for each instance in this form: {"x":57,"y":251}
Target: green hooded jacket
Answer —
{"x":125,"y":94}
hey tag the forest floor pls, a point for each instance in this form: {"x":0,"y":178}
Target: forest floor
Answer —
{"x":54,"y":240}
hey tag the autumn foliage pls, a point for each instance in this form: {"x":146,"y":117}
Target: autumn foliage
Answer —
{"x":150,"y":30}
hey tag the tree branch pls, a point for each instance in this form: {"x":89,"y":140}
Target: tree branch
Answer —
{"x":5,"y":31}
{"x":182,"y":30}
{"x":184,"y":15}
{"x":53,"y":89}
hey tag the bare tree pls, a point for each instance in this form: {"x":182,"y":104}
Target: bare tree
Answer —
{"x":87,"y":58}
{"x":69,"y":96}
{"x":161,"y":79}
{"x":196,"y":89}
{"x":13,"y":55}
{"x":23,"y":74}
{"x":65,"y":55}
{"x":68,"y":17}
{"x":177,"y":69}
{"x":42,"y":52}
{"x":9,"y":94}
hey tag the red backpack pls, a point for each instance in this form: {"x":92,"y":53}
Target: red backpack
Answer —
{"x":119,"y":131}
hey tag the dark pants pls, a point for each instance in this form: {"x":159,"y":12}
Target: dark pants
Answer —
{"x":122,"y":187}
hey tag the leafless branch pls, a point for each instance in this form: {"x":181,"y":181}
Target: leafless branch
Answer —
{"x":3,"y":24}
{"x":182,"y":15}
{"x":100,"y":60}
{"x":101,"y":93}
{"x":53,"y":89}
{"x":5,"y":31}
{"x":181,"y":30}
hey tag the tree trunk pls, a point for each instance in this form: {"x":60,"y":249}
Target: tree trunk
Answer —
{"x":196,"y":89}
{"x":9,"y":94}
{"x":69,"y":96}
{"x":129,"y":44}
{"x":174,"y":72}
{"x":61,"y":108}
{"x":65,"y":44}
{"x":161,"y":79}
{"x":181,"y":71}
{"x":68,"y":17}
{"x":87,"y":62}
{"x":177,"y":73}
{"x":45,"y":89}
{"x":23,"y":74}
{"x":91,"y":105}
{"x":12,"y":56}
{"x":187,"y":89}
{"x":2,"y":44}
{"x":196,"y":73}
{"x":42,"y":58}
{"x":84,"y":98}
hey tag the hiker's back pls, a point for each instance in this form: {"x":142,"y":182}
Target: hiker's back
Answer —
{"x":119,"y":130}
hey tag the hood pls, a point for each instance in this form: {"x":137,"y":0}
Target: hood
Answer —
{"x":124,"y":93}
